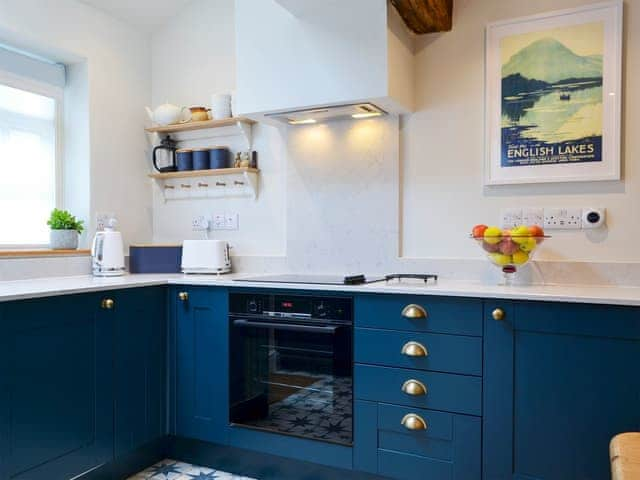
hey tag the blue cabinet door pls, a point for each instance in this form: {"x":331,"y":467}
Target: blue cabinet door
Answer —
{"x":199,"y":370}
{"x":140,"y":326}
{"x":559,"y":381}
{"x":447,"y":448}
{"x":56,"y":402}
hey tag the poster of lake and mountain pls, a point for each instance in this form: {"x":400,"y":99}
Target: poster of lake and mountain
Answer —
{"x":552,"y":110}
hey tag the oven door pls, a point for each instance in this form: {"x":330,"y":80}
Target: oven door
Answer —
{"x":293,"y":378}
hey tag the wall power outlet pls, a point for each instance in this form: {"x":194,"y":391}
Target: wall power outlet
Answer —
{"x":200,"y":224}
{"x":563,"y":218}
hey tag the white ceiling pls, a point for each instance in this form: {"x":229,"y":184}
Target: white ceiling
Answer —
{"x":144,"y":14}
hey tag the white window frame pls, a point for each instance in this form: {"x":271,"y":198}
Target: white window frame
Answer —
{"x":57,"y":93}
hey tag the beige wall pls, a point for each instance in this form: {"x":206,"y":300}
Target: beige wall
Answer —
{"x":442,"y":148}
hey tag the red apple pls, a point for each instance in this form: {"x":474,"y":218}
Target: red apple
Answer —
{"x":491,"y":247}
{"x":508,"y":246}
{"x":537,"y":232}
{"x":478,"y":231}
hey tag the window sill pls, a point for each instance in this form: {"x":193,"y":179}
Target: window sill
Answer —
{"x":43,"y":252}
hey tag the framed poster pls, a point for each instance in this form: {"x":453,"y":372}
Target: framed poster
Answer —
{"x":553,"y":96}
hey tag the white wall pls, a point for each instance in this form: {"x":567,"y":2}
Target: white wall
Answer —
{"x":347,"y":207}
{"x":193,"y":55}
{"x":192,"y":58}
{"x":116,"y":78}
{"x":443,"y":148}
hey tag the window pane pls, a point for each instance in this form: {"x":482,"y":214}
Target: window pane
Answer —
{"x":27,"y":166}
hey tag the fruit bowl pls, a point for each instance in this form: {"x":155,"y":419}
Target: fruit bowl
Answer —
{"x":509,"y":249}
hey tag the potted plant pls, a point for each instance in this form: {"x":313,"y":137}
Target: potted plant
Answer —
{"x":65,"y":229}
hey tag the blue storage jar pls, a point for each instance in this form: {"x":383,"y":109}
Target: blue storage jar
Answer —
{"x":184,"y":159}
{"x":201,"y":159}
{"x":219,"y":157}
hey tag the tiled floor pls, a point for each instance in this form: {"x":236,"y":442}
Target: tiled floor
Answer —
{"x":172,"y":470}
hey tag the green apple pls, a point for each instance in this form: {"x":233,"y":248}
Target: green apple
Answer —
{"x":528,"y":245}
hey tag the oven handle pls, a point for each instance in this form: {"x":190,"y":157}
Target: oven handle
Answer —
{"x":285,"y":326}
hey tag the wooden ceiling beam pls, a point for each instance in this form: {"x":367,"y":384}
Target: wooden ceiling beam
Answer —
{"x":426,"y":16}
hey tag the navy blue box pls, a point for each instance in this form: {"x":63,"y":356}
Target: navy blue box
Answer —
{"x":155,"y":258}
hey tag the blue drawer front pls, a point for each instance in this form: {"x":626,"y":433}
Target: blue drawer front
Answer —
{"x":404,"y":466}
{"x":439,"y":424}
{"x":447,"y":392}
{"x":450,"y":447}
{"x":446,"y":353}
{"x":461,"y":316}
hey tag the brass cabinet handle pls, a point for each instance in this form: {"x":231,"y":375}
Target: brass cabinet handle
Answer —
{"x":184,"y":296}
{"x":413,"y":421}
{"x":414,"y":387}
{"x":414,"y":311}
{"x":414,"y":349}
{"x":498,"y":314}
{"x":107,"y":303}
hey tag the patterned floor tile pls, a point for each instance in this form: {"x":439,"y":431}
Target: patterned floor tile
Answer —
{"x":169,"y":469}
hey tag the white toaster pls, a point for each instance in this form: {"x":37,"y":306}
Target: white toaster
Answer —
{"x":205,"y":256}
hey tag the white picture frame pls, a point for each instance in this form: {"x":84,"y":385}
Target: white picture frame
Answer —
{"x":596,"y":157}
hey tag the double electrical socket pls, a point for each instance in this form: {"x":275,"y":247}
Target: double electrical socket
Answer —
{"x":558,"y":218}
{"x":219,"y":221}
{"x":225,"y":221}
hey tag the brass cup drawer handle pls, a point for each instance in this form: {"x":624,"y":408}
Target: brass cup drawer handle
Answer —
{"x":414,"y":387}
{"x":107,"y":303}
{"x":498,"y":314}
{"x":414,"y":349}
{"x":414,"y":311}
{"x":184,"y":296}
{"x":413,"y":421}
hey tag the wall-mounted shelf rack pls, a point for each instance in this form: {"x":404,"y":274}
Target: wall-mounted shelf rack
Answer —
{"x":222,"y":182}
{"x":208,"y":129}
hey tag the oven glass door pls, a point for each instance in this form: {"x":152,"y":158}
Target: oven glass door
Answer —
{"x":292,"y":378}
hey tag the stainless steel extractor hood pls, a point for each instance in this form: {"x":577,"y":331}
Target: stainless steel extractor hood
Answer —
{"x":324,"y":114}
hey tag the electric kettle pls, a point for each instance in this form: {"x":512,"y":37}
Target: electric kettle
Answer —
{"x":168,"y":163}
{"x":107,"y":252}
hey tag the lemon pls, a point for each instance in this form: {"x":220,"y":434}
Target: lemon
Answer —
{"x":500,"y":259}
{"x":521,"y":257}
{"x":492,"y":235}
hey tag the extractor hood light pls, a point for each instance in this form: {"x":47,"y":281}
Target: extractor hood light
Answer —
{"x":306,"y":121}
{"x":366,"y":115}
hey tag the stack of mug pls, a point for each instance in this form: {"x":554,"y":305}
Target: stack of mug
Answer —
{"x":220,"y":106}
{"x":202,"y":158}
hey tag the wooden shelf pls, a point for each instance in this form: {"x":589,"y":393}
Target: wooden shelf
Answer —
{"x":191,"y":126}
{"x":44,"y":252}
{"x":203,"y":173}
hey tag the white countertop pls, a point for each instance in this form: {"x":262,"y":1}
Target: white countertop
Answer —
{"x":45,"y":287}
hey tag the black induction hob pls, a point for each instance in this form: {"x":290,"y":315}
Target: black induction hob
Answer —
{"x":334,"y":279}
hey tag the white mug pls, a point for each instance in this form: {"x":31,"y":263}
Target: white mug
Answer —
{"x":220,"y":106}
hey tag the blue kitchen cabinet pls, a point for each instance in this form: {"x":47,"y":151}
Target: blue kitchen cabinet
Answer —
{"x":402,"y":431}
{"x":559,"y":381}
{"x":56,"y":400}
{"x":140,"y":323}
{"x":199,"y":353}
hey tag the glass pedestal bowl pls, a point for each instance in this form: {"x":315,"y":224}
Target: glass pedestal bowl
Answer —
{"x":509,"y":252}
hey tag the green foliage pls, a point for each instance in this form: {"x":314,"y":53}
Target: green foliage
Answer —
{"x":63,"y":220}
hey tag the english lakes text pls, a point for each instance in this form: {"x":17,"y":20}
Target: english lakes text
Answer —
{"x":551,"y":153}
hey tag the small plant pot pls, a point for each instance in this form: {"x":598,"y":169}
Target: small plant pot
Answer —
{"x":63,"y":239}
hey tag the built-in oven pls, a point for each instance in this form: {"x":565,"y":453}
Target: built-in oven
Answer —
{"x":291,"y":365}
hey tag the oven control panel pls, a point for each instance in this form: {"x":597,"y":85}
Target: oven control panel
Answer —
{"x":292,"y":306}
